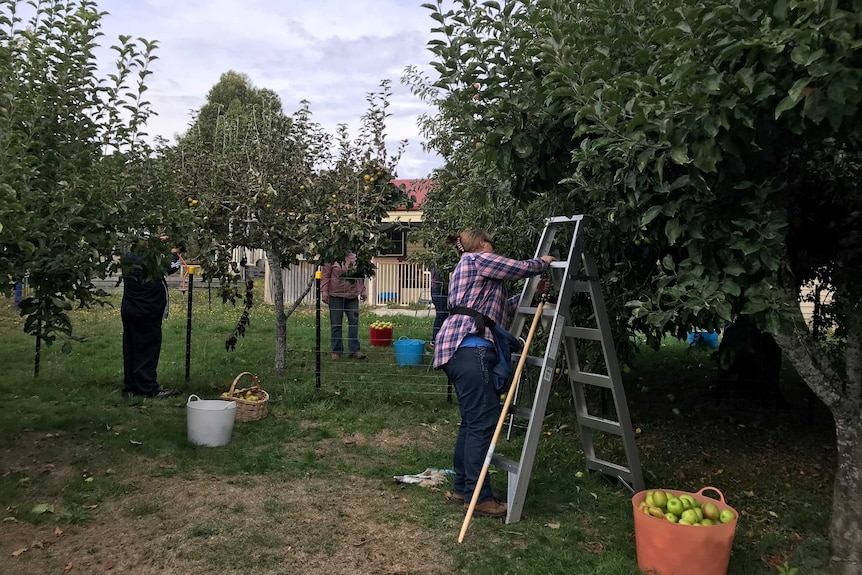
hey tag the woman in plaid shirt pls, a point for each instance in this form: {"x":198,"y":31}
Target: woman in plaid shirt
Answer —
{"x":468,"y":357}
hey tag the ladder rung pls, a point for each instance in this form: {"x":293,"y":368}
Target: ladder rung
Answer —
{"x":608,"y":468}
{"x":509,"y":465}
{"x":564,"y":219}
{"x":522,"y":412}
{"x":530,"y":311}
{"x":601,"y":424}
{"x":581,"y":287}
{"x":533,"y":360}
{"x":584,"y":333}
{"x":596,"y":379}
{"x":559,"y":264}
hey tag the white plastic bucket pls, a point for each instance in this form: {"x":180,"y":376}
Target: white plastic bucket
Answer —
{"x":210,"y":421}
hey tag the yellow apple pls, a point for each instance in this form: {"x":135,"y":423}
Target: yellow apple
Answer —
{"x":710,"y":511}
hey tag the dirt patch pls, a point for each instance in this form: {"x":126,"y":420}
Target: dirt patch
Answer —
{"x":206,"y":524}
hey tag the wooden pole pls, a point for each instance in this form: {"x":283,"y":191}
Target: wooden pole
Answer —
{"x":506,"y":405}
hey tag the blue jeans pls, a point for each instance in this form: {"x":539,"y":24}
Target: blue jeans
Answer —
{"x":470,"y":372}
{"x":338,"y":308}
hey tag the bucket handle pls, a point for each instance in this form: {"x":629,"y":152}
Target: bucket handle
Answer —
{"x":720,"y":494}
{"x":227,"y":404}
{"x":403,"y":337}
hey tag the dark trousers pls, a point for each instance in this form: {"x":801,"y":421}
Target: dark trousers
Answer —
{"x":338,"y":308}
{"x":441,"y":311}
{"x":470,"y":372}
{"x":142,"y":345}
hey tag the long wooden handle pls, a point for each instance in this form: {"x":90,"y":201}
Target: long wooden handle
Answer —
{"x":508,"y":403}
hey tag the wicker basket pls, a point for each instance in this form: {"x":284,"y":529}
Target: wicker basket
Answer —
{"x":248,"y":410}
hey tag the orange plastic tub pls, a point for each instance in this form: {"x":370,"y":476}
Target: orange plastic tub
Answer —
{"x":666,"y":548}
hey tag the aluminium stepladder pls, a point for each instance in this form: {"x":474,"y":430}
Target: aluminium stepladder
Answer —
{"x":576,"y":274}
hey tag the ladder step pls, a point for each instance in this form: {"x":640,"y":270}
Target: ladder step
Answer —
{"x":581,"y":287}
{"x":608,"y":468}
{"x":596,"y":379}
{"x":533,"y":360}
{"x":564,"y":219}
{"x":519,"y":411}
{"x":509,"y":465}
{"x":530,"y":311}
{"x":601,"y":424}
{"x":584,"y":333}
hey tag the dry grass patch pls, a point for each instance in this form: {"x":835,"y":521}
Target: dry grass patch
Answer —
{"x":202,"y":525}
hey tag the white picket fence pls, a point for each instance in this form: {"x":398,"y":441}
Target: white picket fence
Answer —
{"x":395,"y":283}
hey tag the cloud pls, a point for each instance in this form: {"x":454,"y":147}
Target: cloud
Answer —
{"x":329,"y":52}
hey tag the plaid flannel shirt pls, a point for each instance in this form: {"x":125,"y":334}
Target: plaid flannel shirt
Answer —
{"x":477,"y":283}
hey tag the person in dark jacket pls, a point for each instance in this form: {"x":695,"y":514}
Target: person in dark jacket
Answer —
{"x":439,"y":291}
{"x":144,"y":307}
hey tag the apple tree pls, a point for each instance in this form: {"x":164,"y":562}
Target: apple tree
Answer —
{"x":716,"y":148}
{"x":256,"y":177}
{"x":74,"y":168}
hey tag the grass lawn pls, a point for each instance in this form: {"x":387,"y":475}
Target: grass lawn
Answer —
{"x":91,"y":481}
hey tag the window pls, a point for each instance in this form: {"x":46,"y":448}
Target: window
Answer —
{"x":397,"y":243}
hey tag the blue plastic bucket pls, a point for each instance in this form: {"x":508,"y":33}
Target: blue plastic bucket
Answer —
{"x":706,"y":338}
{"x":409,"y":351}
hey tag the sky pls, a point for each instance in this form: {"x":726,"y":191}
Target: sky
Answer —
{"x":329,"y":52}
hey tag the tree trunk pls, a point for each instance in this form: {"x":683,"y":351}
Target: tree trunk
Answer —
{"x":844,"y":400}
{"x":845,"y":529}
{"x":277,"y":275}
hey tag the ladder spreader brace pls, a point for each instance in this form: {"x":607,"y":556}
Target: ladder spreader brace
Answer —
{"x":576,"y":274}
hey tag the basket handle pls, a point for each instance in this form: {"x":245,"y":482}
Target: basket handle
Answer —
{"x":720,"y":494}
{"x":190,"y":398}
{"x":255,"y":380}
{"x":403,"y":337}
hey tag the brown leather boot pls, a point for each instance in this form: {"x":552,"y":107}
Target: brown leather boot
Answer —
{"x":456,"y":498}
{"x":490,"y":508}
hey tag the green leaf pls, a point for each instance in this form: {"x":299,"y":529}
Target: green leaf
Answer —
{"x":730,"y":287}
{"x":794,"y":95}
{"x":672,"y":230}
{"x":679,"y":154}
{"x":706,"y":155}
{"x":42,"y":508}
{"x":650,"y":215}
{"x":667,"y":263}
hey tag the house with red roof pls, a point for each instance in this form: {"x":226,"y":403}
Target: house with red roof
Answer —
{"x":397,"y":280}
